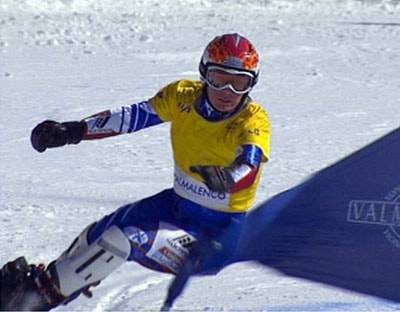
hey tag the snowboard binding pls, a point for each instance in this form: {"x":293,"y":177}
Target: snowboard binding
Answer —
{"x":28,"y":287}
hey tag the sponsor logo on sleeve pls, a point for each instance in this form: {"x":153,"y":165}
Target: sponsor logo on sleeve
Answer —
{"x":101,"y":122}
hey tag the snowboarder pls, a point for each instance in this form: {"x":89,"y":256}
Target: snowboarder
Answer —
{"x":220,"y":140}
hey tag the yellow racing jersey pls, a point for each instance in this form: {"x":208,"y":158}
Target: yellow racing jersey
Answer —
{"x":197,"y":141}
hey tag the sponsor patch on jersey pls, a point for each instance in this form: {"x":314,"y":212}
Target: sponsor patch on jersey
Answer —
{"x":198,"y":192}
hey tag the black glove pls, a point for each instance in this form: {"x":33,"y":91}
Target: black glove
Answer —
{"x":218,"y":179}
{"x":50,"y":133}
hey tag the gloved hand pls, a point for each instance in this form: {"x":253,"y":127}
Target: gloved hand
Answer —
{"x":218,"y":179}
{"x":50,"y":134}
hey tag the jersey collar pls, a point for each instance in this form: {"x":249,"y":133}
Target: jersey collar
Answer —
{"x":210,"y":113}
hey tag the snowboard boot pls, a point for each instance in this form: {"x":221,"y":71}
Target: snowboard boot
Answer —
{"x":28,"y":287}
{"x":33,"y":287}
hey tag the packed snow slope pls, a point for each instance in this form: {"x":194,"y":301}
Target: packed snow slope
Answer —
{"x":329,"y":80}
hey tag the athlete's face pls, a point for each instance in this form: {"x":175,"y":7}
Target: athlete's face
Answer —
{"x":226,"y":87}
{"x":224,"y":100}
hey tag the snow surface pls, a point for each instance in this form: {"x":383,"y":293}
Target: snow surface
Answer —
{"x":330,"y":81}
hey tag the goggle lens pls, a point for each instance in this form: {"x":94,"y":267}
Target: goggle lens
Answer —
{"x":239,"y":82}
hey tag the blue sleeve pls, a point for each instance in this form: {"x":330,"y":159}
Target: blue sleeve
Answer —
{"x":126,"y":119}
{"x":251,"y":155}
{"x":142,"y":115}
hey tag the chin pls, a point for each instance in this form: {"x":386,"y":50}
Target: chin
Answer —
{"x":224,"y":108}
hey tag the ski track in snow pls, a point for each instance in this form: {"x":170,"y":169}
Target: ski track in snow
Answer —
{"x":329,"y":80}
{"x":118,"y":294}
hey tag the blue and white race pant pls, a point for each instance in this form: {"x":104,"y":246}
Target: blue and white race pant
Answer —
{"x":163,"y":228}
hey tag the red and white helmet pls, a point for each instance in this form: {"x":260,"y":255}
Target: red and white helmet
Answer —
{"x":231,"y":51}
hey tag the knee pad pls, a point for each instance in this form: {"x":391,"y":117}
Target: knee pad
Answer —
{"x":83,"y":264}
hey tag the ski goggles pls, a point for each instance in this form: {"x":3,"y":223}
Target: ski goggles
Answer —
{"x":219,"y":78}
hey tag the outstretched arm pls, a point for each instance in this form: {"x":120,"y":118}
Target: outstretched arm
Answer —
{"x":126,"y":119}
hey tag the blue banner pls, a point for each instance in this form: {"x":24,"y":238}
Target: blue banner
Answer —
{"x":340,"y":227}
